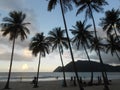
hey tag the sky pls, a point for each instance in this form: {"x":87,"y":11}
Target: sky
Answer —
{"x":43,"y":21}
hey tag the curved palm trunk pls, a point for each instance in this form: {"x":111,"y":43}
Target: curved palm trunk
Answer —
{"x":36,"y":85}
{"x":64,"y":83}
{"x":91,"y":81}
{"x":9,"y":74}
{"x":80,"y":85}
{"x":99,"y":54}
{"x":117,"y":55}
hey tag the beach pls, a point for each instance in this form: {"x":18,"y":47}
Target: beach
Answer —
{"x":57,"y":85}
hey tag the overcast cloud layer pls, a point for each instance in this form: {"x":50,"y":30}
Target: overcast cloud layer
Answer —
{"x":21,"y":48}
{"x":5,"y":44}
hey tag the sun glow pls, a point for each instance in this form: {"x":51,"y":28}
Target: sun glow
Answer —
{"x":25,"y":67}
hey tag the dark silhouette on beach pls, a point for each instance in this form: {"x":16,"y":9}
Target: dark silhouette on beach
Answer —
{"x":34,"y":81}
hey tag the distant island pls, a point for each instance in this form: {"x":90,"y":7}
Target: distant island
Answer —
{"x":86,"y":66}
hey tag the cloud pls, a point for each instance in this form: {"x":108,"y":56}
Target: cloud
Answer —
{"x":107,"y":58}
{"x":4,"y":42}
{"x":21,"y":47}
{"x":9,"y":5}
{"x":27,"y":53}
{"x":21,"y":51}
{"x":17,"y":57}
{"x":20,"y":5}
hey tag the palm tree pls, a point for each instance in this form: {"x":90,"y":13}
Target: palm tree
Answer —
{"x":82,"y":37}
{"x":58,"y":40}
{"x":97,"y":43}
{"x":15,"y":26}
{"x":66,"y":4}
{"x":39,"y":44}
{"x":90,"y":6}
{"x":113,"y":45}
{"x":111,"y":21}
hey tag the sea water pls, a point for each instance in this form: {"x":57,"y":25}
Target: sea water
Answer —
{"x":50,"y":76}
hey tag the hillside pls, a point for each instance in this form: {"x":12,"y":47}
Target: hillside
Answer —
{"x":86,"y":66}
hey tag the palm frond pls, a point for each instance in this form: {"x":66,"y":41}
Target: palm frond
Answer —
{"x":52,"y":4}
{"x":80,"y":9}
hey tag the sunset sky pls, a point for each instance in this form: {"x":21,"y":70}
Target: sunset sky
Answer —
{"x":43,"y":21}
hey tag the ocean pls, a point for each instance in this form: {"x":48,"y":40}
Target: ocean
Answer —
{"x":50,"y":76}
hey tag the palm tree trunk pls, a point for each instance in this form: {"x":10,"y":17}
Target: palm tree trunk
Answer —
{"x":36,"y":85}
{"x":117,"y":55}
{"x":75,"y":69}
{"x":116,"y":33}
{"x":106,"y":77}
{"x":118,"y":40}
{"x":91,"y":81}
{"x":9,"y":74}
{"x":104,"y":74}
{"x":64,"y":83}
{"x":102,"y":65}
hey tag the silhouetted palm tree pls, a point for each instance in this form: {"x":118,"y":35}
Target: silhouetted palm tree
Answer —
{"x":39,"y":45}
{"x":97,"y":43}
{"x":15,"y":26}
{"x":82,"y":37}
{"x":113,"y":45}
{"x":65,"y":5}
{"x":111,"y":21}
{"x":89,"y":6}
{"x":58,"y":40}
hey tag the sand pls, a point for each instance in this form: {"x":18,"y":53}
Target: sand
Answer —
{"x":56,"y":85}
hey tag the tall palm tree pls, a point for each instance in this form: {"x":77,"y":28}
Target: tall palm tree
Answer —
{"x":65,"y":5}
{"x":39,"y":45}
{"x":97,"y":43}
{"x":58,"y":40}
{"x":15,"y":26}
{"x":111,"y":21}
{"x":113,"y":45}
{"x":82,"y":37}
{"x":89,"y":6}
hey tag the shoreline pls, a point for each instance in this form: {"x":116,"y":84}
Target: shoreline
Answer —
{"x":50,"y":76}
{"x":57,"y":85}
